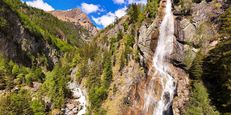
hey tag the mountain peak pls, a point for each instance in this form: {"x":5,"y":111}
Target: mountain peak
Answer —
{"x":76,"y":16}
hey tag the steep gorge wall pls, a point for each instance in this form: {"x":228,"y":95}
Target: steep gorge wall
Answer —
{"x":147,"y":43}
{"x":195,"y":30}
{"x":19,"y":45}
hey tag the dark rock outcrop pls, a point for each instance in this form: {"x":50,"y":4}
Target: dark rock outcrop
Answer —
{"x":19,"y":45}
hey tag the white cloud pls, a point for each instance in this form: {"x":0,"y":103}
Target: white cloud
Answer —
{"x":40,"y":4}
{"x":120,"y":12}
{"x":119,"y":1}
{"x":110,"y":17}
{"x":105,"y":20}
{"x":130,"y":1}
{"x":137,"y":1}
{"x":89,"y":8}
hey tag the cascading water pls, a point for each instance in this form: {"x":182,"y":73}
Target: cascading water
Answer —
{"x":78,"y":104}
{"x":160,"y":62}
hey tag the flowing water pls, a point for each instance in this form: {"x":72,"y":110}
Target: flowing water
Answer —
{"x":79,"y":96}
{"x":162,"y":105}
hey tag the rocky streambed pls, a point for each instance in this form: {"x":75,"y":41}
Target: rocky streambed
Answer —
{"x":77,"y":104}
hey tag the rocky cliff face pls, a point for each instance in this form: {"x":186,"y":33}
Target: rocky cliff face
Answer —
{"x":147,"y":41}
{"x":116,"y":68}
{"x":195,"y":30}
{"x":77,"y":17}
{"x":21,"y":46}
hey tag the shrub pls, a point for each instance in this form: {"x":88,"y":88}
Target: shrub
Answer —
{"x":186,"y":6}
{"x":217,"y":75}
{"x":113,"y":45}
{"x":107,"y":71}
{"x":133,"y":13}
{"x":196,"y":68}
{"x":15,"y":70}
{"x":199,"y":102}
{"x":126,"y":25}
{"x":37,"y":107}
{"x":55,"y":86}
{"x":97,"y":95}
{"x":225,"y":22}
{"x":16,"y":103}
{"x":29,"y":78}
{"x":3,"y":23}
{"x":122,"y":60}
{"x":152,"y":8}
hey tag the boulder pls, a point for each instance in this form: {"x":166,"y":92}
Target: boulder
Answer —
{"x":70,"y":106}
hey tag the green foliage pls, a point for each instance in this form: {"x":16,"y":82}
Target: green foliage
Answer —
{"x":28,"y":79}
{"x":122,"y":60}
{"x":43,"y":33}
{"x":3,"y":65}
{"x":107,"y":71}
{"x":9,"y":82}
{"x":54,"y":86}
{"x":119,"y":35}
{"x":129,"y":42}
{"x":199,"y":103}
{"x":38,"y":75}
{"x":136,"y":14}
{"x":125,"y":26}
{"x":133,"y":13}
{"x":10,"y":70}
{"x":97,"y":95}
{"x":113,"y":47}
{"x":196,"y":68}
{"x":37,"y":107}
{"x":45,"y":26}
{"x":225,"y":19}
{"x":136,"y":55}
{"x":214,"y":69}
{"x":15,"y":70}
{"x":152,"y":8}
{"x":88,"y":50}
{"x":185,"y":6}
{"x":217,"y":75}
{"x":16,"y":103}
{"x":99,"y":78}
{"x":82,"y":70}
{"x":3,"y":22}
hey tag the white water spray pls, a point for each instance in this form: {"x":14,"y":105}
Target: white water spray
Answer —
{"x":163,"y":50}
{"x":79,"y":95}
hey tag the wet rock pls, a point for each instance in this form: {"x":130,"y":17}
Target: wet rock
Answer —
{"x":70,"y":106}
{"x":70,"y":113}
{"x":147,"y":41}
{"x":189,"y":30}
{"x":77,"y":103}
{"x":75,"y":110}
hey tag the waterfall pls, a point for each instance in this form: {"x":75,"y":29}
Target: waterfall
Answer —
{"x":78,"y":102}
{"x":160,"y":62}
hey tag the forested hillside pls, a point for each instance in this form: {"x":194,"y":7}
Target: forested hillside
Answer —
{"x":40,"y":55}
{"x":37,"y":53}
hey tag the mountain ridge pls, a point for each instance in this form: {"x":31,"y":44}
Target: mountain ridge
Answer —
{"x":115,"y":67}
{"x":77,"y":17}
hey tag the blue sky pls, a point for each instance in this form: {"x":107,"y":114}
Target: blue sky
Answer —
{"x":100,"y":12}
